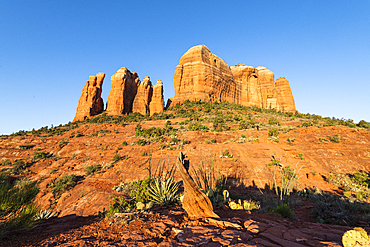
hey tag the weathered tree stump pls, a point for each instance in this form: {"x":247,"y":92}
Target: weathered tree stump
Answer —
{"x":195,"y":202}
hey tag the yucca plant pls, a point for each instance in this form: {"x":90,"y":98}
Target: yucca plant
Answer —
{"x":163,"y":191}
{"x":42,"y":215}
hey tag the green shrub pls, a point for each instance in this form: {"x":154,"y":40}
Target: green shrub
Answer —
{"x":6,"y":162}
{"x":141,"y":142}
{"x":92,"y":169}
{"x":274,"y":121}
{"x":16,"y":203}
{"x":139,"y":190}
{"x":273,"y":132}
{"x":26,"y":146}
{"x":283,"y":210}
{"x":116,"y":158}
{"x":63,"y":184}
{"x":19,"y":167}
{"x":335,"y":138}
{"x":219,"y":124}
{"x":196,"y":126}
{"x":226,"y":153}
{"x":361,"y":178}
{"x":213,"y":140}
{"x":119,"y":205}
{"x":40,"y":155}
{"x":124,"y":143}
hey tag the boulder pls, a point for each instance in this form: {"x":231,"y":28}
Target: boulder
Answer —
{"x":157,"y":103}
{"x":143,"y":97}
{"x":90,"y":102}
{"x":123,"y":91}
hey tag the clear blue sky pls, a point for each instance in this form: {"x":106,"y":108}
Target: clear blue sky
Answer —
{"x":48,"y":49}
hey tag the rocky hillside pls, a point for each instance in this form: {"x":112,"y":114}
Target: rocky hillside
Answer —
{"x":243,"y":144}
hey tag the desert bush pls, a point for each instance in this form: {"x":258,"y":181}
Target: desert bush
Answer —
{"x":19,"y":167}
{"x":40,"y":155}
{"x":16,"y":203}
{"x":274,"y":121}
{"x":196,"y":126}
{"x":219,"y":124}
{"x":141,"y":142}
{"x":243,"y":124}
{"x":330,"y":208}
{"x":124,"y":143}
{"x":92,"y":169}
{"x":283,"y":210}
{"x":63,"y":184}
{"x":6,"y":162}
{"x":118,"y":204}
{"x":273,"y":132}
{"x":26,"y":146}
{"x":335,"y":138}
{"x":363,"y":124}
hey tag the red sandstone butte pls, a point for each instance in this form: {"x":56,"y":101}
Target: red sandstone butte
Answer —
{"x":123,"y":91}
{"x":143,"y":97}
{"x":204,"y":76}
{"x":157,"y":103}
{"x":90,"y":102}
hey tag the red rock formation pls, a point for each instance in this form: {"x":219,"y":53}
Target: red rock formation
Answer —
{"x":286,"y":100}
{"x":157,"y":103}
{"x":202,"y":75}
{"x":90,"y":102}
{"x":123,"y":91}
{"x":143,"y":97}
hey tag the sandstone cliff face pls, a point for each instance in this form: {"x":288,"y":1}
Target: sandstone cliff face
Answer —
{"x":143,"y":97}
{"x":157,"y":103}
{"x":90,"y":102}
{"x":286,"y":99}
{"x":123,"y":91}
{"x":202,"y":75}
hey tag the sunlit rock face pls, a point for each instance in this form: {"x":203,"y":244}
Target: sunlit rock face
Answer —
{"x":204,"y":76}
{"x":157,"y":103}
{"x":90,"y":102}
{"x":123,"y":91}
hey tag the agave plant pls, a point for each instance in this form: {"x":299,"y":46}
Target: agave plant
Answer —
{"x":163,"y":191}
{"x":47,"y":214}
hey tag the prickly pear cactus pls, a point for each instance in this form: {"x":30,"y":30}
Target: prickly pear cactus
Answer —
{"x":149,"y":205}
{"x":140,"y":206}
{"x":355,"y":237}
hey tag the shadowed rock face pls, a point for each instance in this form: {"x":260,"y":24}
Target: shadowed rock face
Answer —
{"x":202,"y":75}
{"x":123,"y":91}
{"x":195,"y":202}
{"x":90,"y":102}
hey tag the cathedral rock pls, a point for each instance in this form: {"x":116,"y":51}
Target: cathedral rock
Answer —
{"x":200,"y":75}
{"x":204,"y":76}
